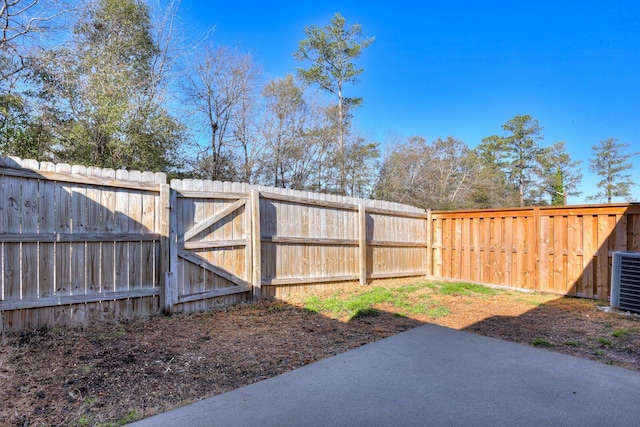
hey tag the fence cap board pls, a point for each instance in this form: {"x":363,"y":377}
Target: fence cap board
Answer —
{"x":77,"y":179}
{"x":608,"y":209}
{"x":594,"y":209}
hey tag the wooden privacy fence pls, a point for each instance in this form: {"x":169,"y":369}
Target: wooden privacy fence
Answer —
{"x":232,"y":238}
{"x":562,"y":250}
{"x":79,"y":244}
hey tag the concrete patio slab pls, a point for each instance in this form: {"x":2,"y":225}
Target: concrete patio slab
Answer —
{"x":429,"y":376}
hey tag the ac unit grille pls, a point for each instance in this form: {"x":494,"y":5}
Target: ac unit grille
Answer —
{"x":625,"y":281}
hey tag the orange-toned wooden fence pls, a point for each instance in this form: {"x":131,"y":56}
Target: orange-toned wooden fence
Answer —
{"x":562,"y":250}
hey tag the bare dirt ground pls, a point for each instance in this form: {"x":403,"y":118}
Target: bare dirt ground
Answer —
{"x":108,"y":374}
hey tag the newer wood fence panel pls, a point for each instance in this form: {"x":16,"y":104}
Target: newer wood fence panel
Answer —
{"x":561,"y":250}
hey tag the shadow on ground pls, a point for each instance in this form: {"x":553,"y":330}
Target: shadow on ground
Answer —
{"x":121,"y":371}
{"x":574,"y":326}
{"x":114,"y":372}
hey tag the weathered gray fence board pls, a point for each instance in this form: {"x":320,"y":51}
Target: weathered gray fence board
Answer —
{"x":59,"y":240}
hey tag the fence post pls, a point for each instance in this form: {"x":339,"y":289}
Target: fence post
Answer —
{"x":362,"y":242}
{"x":429,"y":242}
{"x":168,"y":249}
{"x":256,"y":276}
{"x":165,"y":230}
{"x":537,"y":232}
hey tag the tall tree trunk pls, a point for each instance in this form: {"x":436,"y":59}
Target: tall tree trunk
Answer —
{"x":342,"y":183}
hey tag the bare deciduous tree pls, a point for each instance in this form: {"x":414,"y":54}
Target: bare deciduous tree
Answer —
{"x":219,"y":89}
{"x":445,"y":174}
{"x":21,"y":21}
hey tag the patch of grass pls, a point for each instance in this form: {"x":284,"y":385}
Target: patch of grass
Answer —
{"x":430,"y":285}
{"x":572,"y":343}
{"x":377,"y":295}
{"x":619,"y":333}
{"x":332,"y":304}
{"x":604,"y":341}
{"x":360,"y":304}
{"x":607,"y":325}
{"x":121,"y":332}
{"x":540,"y":342}
{"x":90,"y":401}
{"x":533,"y":302}
{"x":440,"y":311}
{"x":419,"y":308}
{"x":276,"y":308}
{"x":410,"y":289}
{"x":312,"y":304}
{"x":82,"y":421}
{"x":462,"y":288}
{"x":129,"y":418}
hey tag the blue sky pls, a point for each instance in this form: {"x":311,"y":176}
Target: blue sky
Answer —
{"x":463,"y":68}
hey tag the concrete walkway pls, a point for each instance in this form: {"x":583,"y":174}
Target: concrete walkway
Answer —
{"x":429,"y":376}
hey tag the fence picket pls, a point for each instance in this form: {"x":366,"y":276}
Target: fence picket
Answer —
{"x":29,"y":224}
{"x":46,"y":250}
{"x":11,"y":204}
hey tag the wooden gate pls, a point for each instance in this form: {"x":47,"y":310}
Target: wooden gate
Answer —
{"x":211,"y":246}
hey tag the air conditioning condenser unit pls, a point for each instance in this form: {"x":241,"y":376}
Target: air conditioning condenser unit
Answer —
{"x":625,"y":281}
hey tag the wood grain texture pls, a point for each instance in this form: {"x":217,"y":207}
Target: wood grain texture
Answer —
{"x":256,"y":245}
{"x":66,"y":242}
{"x":560,"y":250}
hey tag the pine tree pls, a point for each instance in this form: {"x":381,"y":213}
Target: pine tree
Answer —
{"x":611,"y":163}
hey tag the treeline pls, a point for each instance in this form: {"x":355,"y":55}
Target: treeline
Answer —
{"x":506,"y":170}
{"x":109,"y":83}
{"x":120,"y":91}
